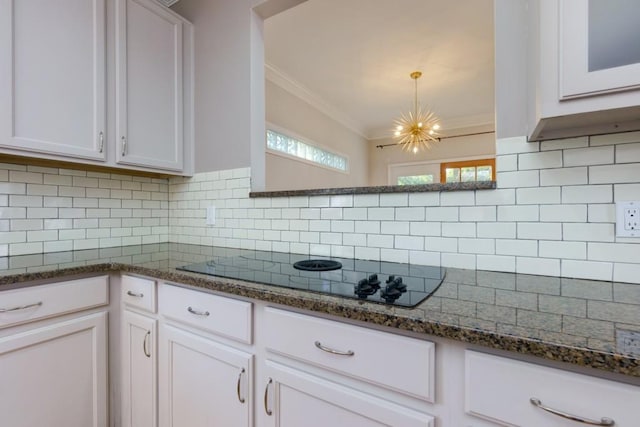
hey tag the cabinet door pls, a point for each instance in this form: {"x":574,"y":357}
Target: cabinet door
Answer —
{"x":202,"y":383}
{"x":55,"y":375}
{"x":149,"y":101}
{"x":139,"y":368}
{"x":52,"y":77}
{"x":599,"y":50}
{"x":293,"y":399}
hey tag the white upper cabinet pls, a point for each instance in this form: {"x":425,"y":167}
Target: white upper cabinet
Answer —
{"x":52,"y":77}
{"x":585,"y":67}
{"x":149,"y":85}
{"x":599,"y":49}
{"x":101,"y":82}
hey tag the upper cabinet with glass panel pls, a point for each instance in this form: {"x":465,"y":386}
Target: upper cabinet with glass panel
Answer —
{"x":587,"y":57}
{"x":338,"y":76}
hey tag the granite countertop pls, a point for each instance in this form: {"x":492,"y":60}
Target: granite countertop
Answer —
{"x":581,"y":322}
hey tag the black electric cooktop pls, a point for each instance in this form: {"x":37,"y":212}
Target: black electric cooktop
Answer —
{"x":404,"y":285}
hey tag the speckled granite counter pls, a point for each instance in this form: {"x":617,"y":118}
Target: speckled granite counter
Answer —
{"x":580,"y":322}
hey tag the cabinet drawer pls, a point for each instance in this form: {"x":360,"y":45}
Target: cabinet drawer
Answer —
{"x":500,"y":390}
{"x":223,"y":316}
{"x":402,"y":364}
{"x":140,"y":293}
{"x":42,"y":301}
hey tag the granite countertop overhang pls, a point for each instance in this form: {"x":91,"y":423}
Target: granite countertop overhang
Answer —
{"x":580,"y":322}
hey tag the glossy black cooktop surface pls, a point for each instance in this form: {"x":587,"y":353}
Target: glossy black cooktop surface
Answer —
{"x":404,"y":285}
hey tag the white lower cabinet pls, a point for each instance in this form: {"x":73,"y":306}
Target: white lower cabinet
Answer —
{"x":202,"y":383}
{"x":514,"y":393}
{"x":139,"y":367}
{"x":294,"y":398}
{"x":55,"y":375}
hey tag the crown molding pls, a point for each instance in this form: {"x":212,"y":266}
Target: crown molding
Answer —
{"x":297,"y":89}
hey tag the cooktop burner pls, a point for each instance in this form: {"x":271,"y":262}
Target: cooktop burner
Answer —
{"x":384,"y":282}
{"x":317,"y":265}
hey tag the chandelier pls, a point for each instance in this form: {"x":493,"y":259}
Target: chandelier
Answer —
{"x":418,"y":129}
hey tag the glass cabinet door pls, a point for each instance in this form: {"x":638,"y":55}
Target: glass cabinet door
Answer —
{"x":599,"y":47}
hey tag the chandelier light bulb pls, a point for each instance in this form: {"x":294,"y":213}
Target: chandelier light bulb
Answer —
{"x":417,"y":129}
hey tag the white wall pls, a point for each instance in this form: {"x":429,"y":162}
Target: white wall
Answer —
{"x":450,"y":148}
{"x":552,"y":214}
{"x":292,"y":114}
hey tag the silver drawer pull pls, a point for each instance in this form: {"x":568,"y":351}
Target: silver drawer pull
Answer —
{"x":266,"y":398}
{"x":332,"y":351}
{"x":604,"y":421}
{"x":145,"y":345}
{"x":135,"y":294}
{"x":240,"y":398}
{"x":198,"y":313}
{"x":22,"y":307}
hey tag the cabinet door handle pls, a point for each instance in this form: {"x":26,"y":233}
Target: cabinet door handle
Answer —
{"x":266,"y":398}
{"x":604,"y":421}
{"x":333,"y":351}
{"x":21,"y":307}
{"x":124,"y":145}
{"x":197,"y":312}
{"x":240,"y":398}
{"x":101,"y":141}
{"x":135,"y":294}
{"x":145,"y":347}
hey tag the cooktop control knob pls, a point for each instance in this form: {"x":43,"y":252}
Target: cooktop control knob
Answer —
{"x":366,"y":287}
{"x":394,"y":289}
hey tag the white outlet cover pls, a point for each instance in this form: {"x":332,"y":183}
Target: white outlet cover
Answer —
{"x":621,"y":231}
{"x":211,"y":215}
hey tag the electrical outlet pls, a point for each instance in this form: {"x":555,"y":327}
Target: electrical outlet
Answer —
{"x":628,"y":219}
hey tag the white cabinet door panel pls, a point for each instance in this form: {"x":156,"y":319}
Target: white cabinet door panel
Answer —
{"x":149,"y":86}
{"x":296,"y":399}
{"x":202,"y":383}
{"x":55,"y":375}
{"x":139,"y":367}
{"x":52,"y":77}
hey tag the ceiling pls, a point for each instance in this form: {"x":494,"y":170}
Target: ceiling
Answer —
{"x":352,"y":59}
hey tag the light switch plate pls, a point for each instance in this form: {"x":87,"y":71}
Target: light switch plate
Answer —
{"x":211,"y":215}
{"x":628,"y":219}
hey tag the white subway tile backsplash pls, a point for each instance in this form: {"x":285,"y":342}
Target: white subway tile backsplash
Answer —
{"x":628,"y":153}
{"x":563,"y":213}
{"x":614,"y":174}
{"x":587,"y":194}
{"x":562,"y":250}
{"x":477,"y":246}
{"x":541,"y":160}
{"x":560,"y":144}
{"x":409,"y":242}
{"x":626,"y":272}
{"x":505,"y":196}
{"x":366,"y":200}
{"x":457,"y":198}
{"x":588,"y":156}
{"x":425,"y":229}
{"x":516,"y":145}
{"x":602,"y":212}
{"x":616,"y":138}
{"x":444,"y":214}
{"x":496,"y":263}
{"x":518,"y":213}
{"x":497,"y":230}
{"x":458,"y":260}
{"x":394,"y":227}
{"x":507,"y":163}
{"x":550,"y":267}
{"x":530,"y":178}
{"x":410,"y":214}
{"x":588,"y":232}
{"x":538,"y":196}
{"x":527,"y":248}
{"x":458,"y":229}
{"x":564,"y":176}
{"x":424,"y":199}
{"x":587,"y":270}
{"x":539,"y":231}
{"x":381,"y":214}
{"x":394,"y":199}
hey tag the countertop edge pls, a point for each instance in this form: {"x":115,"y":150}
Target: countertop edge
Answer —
{"x":603,"y":361}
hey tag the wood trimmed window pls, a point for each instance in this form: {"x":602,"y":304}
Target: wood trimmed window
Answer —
{"x":468,"y":171}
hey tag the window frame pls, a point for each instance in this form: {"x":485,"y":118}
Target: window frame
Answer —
{"x":282,"y":131}
{"x":465,"y":164}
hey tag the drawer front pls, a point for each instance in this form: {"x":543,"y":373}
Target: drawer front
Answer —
{"x":500,"y":390}
{"x":223,"y":316}
{"x":42,"y":301}
{"x":402,"y":364}
{"x":140,"y":293}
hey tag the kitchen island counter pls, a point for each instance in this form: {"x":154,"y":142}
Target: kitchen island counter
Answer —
{"x":580,"y":322}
